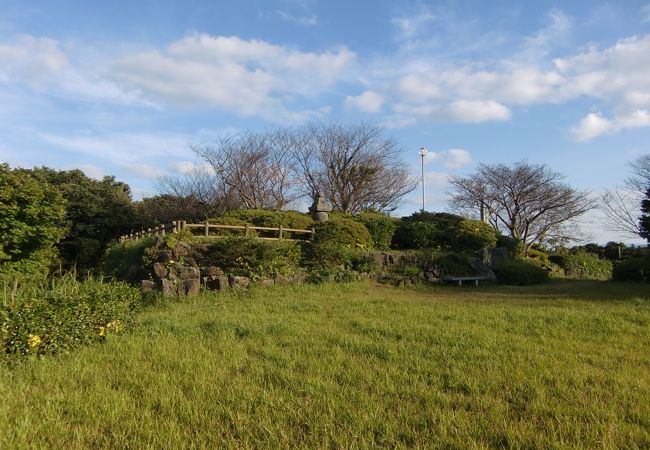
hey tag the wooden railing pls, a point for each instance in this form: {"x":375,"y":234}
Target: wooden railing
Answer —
{"x":180,"y":225}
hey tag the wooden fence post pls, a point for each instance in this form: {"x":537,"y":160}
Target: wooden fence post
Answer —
{"x":183,"y":223}
{"x":247,"y":230}
{"x":280,"y":233}
{"x":313,"y":233}
{"x":206,"y":231}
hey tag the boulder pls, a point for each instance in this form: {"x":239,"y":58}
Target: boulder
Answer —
{"x":281,"y":280}
{"x":166,"y":287}
{"x":239,"y":282}
{"x":217,"y":283}
{"x":266,"y":282}
{"x":160,"y":270}
{"x":212,"y":271}
{"x":189,"y":287}
{"x":146,"y":286}
{"x":186,"y":273}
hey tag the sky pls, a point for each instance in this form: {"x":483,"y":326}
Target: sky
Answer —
{"x":124,"y":88}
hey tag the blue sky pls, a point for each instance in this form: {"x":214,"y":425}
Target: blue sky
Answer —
{"x":121,"y":88}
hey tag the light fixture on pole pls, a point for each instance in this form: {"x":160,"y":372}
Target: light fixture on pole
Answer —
{"x":423,"y":152}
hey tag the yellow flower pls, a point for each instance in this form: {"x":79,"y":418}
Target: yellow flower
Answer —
{"x":34,"y":340}
{"x":114,"y":326}
{"x":102,"y":331}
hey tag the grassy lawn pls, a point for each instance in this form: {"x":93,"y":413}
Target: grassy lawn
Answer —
{"x":564,"y":365}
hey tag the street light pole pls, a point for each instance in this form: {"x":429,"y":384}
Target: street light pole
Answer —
{"x":423,"y":152}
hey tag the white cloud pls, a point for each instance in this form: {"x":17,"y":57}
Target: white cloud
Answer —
{"x":311,"y":20}
{"x":454,"y":158}
{"x":539,"y":45}
{"x":31,"y":60}
{"x":368,"y":101}
{"x":591,"y":126}
{"x":249,"y":77}
{"x":476,"y":111}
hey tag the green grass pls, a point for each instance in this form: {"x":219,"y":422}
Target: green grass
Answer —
{"x":563,"y":365}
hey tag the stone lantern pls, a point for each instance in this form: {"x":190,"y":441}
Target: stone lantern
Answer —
{"x":319,"y":208}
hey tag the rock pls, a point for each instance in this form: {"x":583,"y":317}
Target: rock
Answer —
{"x":186,"y":273}
{"x":281,"y":280}
{"x":266,"y":282}
{"x":159,"y":270}
{"x":165,"y":256}
{"x":378,"y":259}
{"x":217,"y":283}
{"x":146,"y":286}
{"x":212,"y":271}
{"x":297,"y":279}
{"x":190,"y":287}
{"x":482,"y":269}
{"x":365,"y":275}
{"x":166,"y":287}
{"x":239,"y":282}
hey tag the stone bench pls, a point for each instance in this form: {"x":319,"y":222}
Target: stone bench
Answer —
{"x":460,"y":280}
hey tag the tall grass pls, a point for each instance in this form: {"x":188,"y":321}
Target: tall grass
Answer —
{"x":566,"y":365}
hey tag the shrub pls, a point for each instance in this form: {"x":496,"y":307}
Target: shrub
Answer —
{"x":583,"y":265}
{"x":63,"y":313}
{"x":634,"y":269}
{"x":473,"y":235}
{"x":342,"y":231}
{"x":31,"y":220}
{"x":254,"y":258}
{"x":443,"y":231}
{"x":520,"y":272}
{"x":120,"y":258}
{"x":380,"y":227}
{"x":454,"y":264}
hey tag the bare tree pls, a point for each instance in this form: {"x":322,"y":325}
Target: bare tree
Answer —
{"x":253,"y":169}
{"x":356,"y":166}
{"x":530,"y":202}
{"x":621,"y":206}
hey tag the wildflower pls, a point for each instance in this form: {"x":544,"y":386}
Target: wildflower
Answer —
{"x":102,"y":331}
{"x":114,"y":326}
{"x":34,"y":340}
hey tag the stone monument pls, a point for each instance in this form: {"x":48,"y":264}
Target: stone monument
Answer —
{"x":319,"y":208}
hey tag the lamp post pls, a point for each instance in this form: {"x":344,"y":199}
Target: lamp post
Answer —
{"x":423,"y":152}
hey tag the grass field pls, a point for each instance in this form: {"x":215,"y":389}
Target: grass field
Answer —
{"x":563,"y":365}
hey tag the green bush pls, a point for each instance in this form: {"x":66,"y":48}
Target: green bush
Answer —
{"x":520,"y":272}
{"x":380,"y":227}
{"x":473,"y":235}
{"x":254,"y":258}
{"x":454,"y":264}
{"x":342,"y":231}
{"x":634,"y":269}
{"x":63,"y":313}
{"x":31,"y":221}
{"x":120,"y":258}
{"x":583,"y":265}
{"x":443,"y":231}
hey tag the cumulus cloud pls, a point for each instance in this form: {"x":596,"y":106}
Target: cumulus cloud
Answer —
{"x":476,"y":111}
{"x":249,"y":77}
{"x":591,"y":126}
{"x":31,"y":60}
{"x":454,"y":158}
{"x":368,"y":101}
